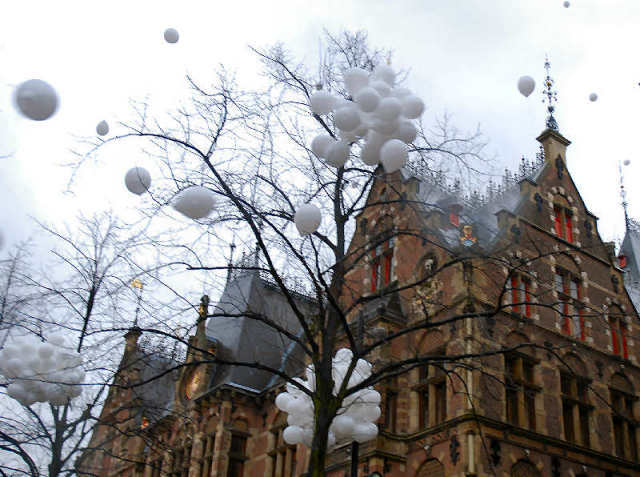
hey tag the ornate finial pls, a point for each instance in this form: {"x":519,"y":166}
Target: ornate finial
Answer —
{"x":135,"y":283}
{"x":550,"y":96}
{"x":623,"y":195}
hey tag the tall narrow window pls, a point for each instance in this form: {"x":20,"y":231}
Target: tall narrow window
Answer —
{"x":382,"y":256}
{"x":618,"y":332}
{"x":575,"y":409}
{"x":432,"y":394}
{"x":520,"y":391}
{"x":390,"y":409}
{"x":207,"y":456}
{"x":237,"y":456}
{"x":562,"y":223}
{"x":624,"y":425}
{"x":423,"y":397}
{"x":521,"y":295}
{"x":569,"y":297}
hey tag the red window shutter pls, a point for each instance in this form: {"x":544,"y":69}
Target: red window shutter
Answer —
{"x":557,"y":212}
{"x":614,"y":335}
{"x":387,"y":268}
{"x":454,"y":218}
{"x":527,"y":298}
{"x":374,"y":271}
{"x":514,"y":293}
{"x":569,"y":228}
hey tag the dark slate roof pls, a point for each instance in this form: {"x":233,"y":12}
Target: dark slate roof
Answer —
{"x":155,"y":397}
{"x":481,"y":214}
{"x":241,"y":338}
{"x":631,"y":250}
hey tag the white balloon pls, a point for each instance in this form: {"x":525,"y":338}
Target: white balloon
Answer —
{"x":347,"y":119}
{"x":102,"y":128}
{"x":338,"y":153}
{"x":370,"y":152}
{"x":321,"y":145}
{"x":389,"y":109}
{"x":386,"y":74}
{"x":626,"y":162}
{"x":348,"y":137}
{"x":400,"y":92}
{"x":292,"y":435}
{"x":196,"y":202}
{"x":322,"y":102}
{"x":36,"y":99}
{"x":406,"y":132}
{"x":566,"y":4}
{"x":412,"y":107}
{"x":282,"y":401}
{"x":355,"y":79}
{"x":393,"y":155}
{"x":526,"y":85}
{"x":137,"y":180}
{"x":342,"y":425}
{"x":593,"y":97}
{"x":171,"y":35}
{"x":385,"y":128}
{"x":307,"y":219}
{"x":381,"y":87}
{"x":45,"y":350}
{"x":362,"y":130}
{"x":365,"y":432}
{"x":368,"y":99}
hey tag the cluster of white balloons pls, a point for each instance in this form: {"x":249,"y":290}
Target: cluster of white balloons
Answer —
{"x":355,"y":419}
{"x":41,"y":371}
{"x":379,"y":112}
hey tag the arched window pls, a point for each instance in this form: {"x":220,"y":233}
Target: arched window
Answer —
{"x":623,"y":417}
{"x":238,"y":448}
{"x":520,"y":387}
{"x":431,"y":468}
{"x":432,"y":393}
{"x":524,"y":468}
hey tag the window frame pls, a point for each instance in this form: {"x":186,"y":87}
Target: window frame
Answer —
{"x":520,"y":285}
{"x":382,"y":265}
{"x":573,"y":390}
{"x":563,"y":223}
{"x":623,"y":422}
{"x":619,"y":332}
{"x":520,"y":390}
{"x":570,"y":295}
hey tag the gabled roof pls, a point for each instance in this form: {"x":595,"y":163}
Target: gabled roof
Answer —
{"x":631,"y":250}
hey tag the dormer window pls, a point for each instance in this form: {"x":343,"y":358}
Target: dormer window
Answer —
{"x":382,"y":255}
{"x":618,"y":333}
{"x":521,"y":295}
{"x":563,"y":223}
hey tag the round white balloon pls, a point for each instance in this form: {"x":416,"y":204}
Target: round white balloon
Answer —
{"x":566,"y":4}
{"x":36,"y":99}
{"x":626,"y":162}
{"x":355,"y":79}
{"x":386,"y":74}
{"x":393,"y":155}
{"x":292,"y":435}
{"x":102,"y":128}
{"x":171,"y":35}
{"x":406,"y":132}
{"x":322,"y":102}
{"x":381,"y":87}
{"x":412,"y":106}
{"x":389,"y":109}
{"x":368,"y":99}
{"x":347,"y":119}
{"x":196,"y":202}
{"x":137,"y":180}
{"x":593,"y":97}
{"x":307,"y":219}
{"x":338,"y":153}
{"x":321,"y":144}
{"x":526,"y":85}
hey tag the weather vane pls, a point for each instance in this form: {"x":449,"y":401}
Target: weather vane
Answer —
{"x":549,"y":96}
{"x":623,"y":194}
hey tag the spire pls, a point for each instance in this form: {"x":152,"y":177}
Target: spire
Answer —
{"x":623,"y":195}
{"x":550,"y":96}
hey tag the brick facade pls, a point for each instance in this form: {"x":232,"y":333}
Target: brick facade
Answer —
{"x":538,"y":410}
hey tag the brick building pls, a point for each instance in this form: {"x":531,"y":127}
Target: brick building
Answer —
{"x":529,"y":271}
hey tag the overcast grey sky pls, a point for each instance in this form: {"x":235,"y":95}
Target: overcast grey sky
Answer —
{"x":464,"y":56}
